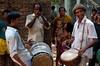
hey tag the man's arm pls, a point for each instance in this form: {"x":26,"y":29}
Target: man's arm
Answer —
{"x":12,"y":44}
{"x":92,"y":36}
{"x":71,"y":40}
{"x":45,"y":21}
{"x":32,"y":22}
{"x":92,"y":43}
{"x":16,"y":57}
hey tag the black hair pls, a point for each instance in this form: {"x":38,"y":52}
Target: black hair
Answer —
{"x":12,"y":16}
{"x":63,"y":8}
{"x":6,"y":11}
{"x":52,"y":7}
{"x":94,"y":10}
{"x":39,"y":5}
{"x":69,"y":27}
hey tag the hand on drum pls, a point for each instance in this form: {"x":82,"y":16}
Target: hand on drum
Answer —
{"x":81,"y":51}
{"x":30,"y":42}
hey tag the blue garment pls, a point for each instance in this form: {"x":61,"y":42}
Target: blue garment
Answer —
{"x":3,"y":27}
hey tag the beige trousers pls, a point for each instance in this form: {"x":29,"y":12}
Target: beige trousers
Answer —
{"x":84,"y":61}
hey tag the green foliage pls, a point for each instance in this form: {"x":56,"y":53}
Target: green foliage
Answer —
{"x":54,"y":3}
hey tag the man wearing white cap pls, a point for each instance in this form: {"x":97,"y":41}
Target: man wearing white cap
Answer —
{"x":84,"y":34}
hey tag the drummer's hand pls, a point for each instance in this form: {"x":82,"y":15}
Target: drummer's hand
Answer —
{"x":81,"y":51}
{"x":27,"y":46}
{"x":30,"y":42}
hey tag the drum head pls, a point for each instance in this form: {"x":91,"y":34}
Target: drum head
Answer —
{"x":69,"y":55}
{"x":42,"y":60}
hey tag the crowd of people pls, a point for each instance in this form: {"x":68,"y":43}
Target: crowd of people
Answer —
{"x":82,"y":35}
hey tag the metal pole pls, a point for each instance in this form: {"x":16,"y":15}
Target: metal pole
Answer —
{"x":78,"y":2}
{"x":67,"y":5}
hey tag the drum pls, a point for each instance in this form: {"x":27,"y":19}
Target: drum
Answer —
{"x":42,"y":55}
{"x":70,"y":57}
{"x":98,"y":56}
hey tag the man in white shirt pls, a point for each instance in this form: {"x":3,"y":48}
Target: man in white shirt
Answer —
{"x":83,"y":32}
{"x":36,"y":23}
{"x":18,"y":52}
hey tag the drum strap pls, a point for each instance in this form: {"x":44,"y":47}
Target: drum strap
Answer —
{"x":83,"y":33}
{"x":27,"y":47}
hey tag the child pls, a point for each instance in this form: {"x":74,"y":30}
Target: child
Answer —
{"x":62,"y":35}
{"x":18,"y":52}
{"x":58,"y":32}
